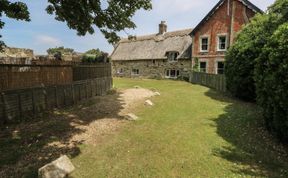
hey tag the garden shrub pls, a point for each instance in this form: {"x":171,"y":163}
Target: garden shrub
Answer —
{"x":271,"y":76}
{"x":241,"y":57}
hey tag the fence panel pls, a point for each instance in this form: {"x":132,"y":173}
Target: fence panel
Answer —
{"x":217,"y":82}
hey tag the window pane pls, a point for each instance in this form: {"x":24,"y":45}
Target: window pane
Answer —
{"x":167,"y":73}
{"x":203,"y":66}
{"x":222,"y":42}
{"x":204,"y":44}
{"x":178,"y":72}
{"x":220,"y":67}
{"x":172,"y":73}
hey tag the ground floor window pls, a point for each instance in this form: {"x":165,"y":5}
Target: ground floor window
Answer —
{"x":120,"y":71}
{"x":203,"y":67}
{"x":172,"y":73}
{"x":220,"y":67}
{"x":135,"y":72}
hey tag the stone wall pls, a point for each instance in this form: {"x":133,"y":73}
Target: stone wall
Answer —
{"x":150,"y":68}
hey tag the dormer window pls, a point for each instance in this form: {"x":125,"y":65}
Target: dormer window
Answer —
{"x":204,"y":44}
{"x":172,"y":56}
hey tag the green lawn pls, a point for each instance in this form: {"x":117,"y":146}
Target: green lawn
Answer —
{"x":191,"y":131}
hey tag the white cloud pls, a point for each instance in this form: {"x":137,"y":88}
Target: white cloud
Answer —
{"x":47,"y":40}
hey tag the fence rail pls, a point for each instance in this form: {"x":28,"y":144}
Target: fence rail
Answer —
{"x":17,"y":76}
{"x":26,"y":90}
{"x":215,"y":81}
{"x":17,"y":105}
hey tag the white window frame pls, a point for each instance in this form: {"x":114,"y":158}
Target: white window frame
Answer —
{"x":135,"y":74}
{"x":216,"y":65}
{"x":208,"y":43}
{"x":218,"y":41}
{"x":169,"y":76}
{"x":206,"y":69}
{"x":120,"y":71}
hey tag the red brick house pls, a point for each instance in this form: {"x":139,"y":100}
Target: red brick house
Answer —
{"x":217,"y":31}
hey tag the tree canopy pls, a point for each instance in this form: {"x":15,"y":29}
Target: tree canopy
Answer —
{"x":61,"y":50}
{"x":110,"y":16}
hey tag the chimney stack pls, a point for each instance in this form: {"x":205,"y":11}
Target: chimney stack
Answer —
{"x":162,"y":27}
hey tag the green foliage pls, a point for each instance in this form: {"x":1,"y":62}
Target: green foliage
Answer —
{"x":257,"y":64}
{"x":97,"y":52}
{"x":93,"y":58}
{"x":196,"y":65}
{"x":14,"y":10}
{"x":61,"y":50}
{"x":82,"y":16}
{"x":272,"y":82}
{"x":240,"y":59}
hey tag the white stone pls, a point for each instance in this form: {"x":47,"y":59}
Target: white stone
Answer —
{"x":157,"y":94}
{"x":149,"y":103}
{"x":131,"y":117}
{"x":59,"y":168}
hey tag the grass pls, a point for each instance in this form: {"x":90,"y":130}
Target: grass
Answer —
{"x":191,"y":131}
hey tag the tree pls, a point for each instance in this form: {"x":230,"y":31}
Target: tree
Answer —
{"x":241,"y":57}
{"x":61,"y":49}
{"x":96,"y":52}
{"x":82,"y":16}
{"x":272,"y":82}
{"x":14,"y":10}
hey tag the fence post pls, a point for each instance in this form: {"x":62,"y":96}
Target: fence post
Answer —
{"x":33,"y":102}
{"x":4,"y":107}
{"x":56,"y":97}
{"x":73,"y":94}
{"x":20,"y":106}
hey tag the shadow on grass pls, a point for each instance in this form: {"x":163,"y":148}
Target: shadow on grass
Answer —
{"x":253,"y":151}
{"x":28,"y":146}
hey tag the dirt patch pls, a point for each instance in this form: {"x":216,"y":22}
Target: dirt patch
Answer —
{"x":28,"y":146}
{"x":130,"y":99}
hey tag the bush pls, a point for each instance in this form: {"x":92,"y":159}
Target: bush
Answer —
{"x":271,"y":76}
{"x":241,"y":58}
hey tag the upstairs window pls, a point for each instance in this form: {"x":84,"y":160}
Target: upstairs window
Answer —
{"x":204,"y":44}
{"x":135,"y":72}
{"x":222,"y":43}
{"x":203,"y":67}
{"x":172,"y":56}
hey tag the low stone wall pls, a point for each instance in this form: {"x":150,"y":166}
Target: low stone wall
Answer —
{"x":150,"y":68}
{"x":19,"y":105}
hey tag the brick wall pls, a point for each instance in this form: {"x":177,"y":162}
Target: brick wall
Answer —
{"x":228,"y":19}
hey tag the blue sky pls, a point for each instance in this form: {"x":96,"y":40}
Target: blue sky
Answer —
{"x":44,"y":32}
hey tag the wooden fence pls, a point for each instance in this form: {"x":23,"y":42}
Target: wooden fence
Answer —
{"x":83,"y":72}
{"x":15,"y":76}
{"x":26,"y":90}
{"x":217,"y":82}
{"x":18,"y":105}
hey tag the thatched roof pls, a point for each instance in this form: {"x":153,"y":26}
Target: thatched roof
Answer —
{"x":154,"y":46}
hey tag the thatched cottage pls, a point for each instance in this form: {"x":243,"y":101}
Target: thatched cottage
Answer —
{"x":161,"y":55}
